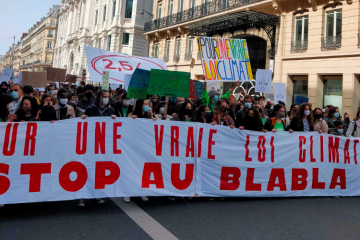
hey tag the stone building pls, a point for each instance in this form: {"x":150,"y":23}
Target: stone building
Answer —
{"x":311,"y":45}
{"x":114,"y":25}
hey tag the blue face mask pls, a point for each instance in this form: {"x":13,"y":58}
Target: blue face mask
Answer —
{"x":272,"y":108}
{"x":49,"y":92}
{"x":247,"y":105}
{"x":336,"y":115}
{"x":15,"y":95}
{"x":216,"y":97}
{"x":340,"y":131}
{"x":146,"y":109}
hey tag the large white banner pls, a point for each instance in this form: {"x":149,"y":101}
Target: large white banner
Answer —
{"x":101,"y":157}
{"x":225,"y":59}
{"x":117,"y":64}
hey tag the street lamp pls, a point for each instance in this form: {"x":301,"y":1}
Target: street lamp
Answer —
{"x":144,"y":11}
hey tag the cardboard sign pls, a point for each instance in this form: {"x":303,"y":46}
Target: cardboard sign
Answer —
{"x":34,"y":79}
{"x":263,"y":81}
{"x":71,"y":78}
{"x":117,"y":64}
{"x":139,"y":84}
{"x":279,"y":92}
{"x":300,"y":100}
{"x":56,"y":74}
{"x":105,"y":80}
{"x":6,"y":74}
{"x":225,"y":60}
{"x":195,"y":90}
{"x":169,"y":83}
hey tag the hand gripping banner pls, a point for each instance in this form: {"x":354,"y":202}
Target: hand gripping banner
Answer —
{"x":101,"y":157}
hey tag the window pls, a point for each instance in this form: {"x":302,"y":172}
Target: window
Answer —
{"x":52,"y":24}
{"x":300,"y":87}
{"x":333,"y":87}
{"x":49,"y":44}
{"x":301,"y":28}
{"x":156,"y":51}
{"x":168,"y":48}
{"x":333,"y":22}
{"x":126,"y":38}
{"x":178,"y":47}
{"x":190,"y":45}
{"x":109,"y":43}
{"x":104,"y":14}
{"x":99,"y":45}
{"x":114,"y":8}
{"x":181,"y":5}
{"x":171,"y":7}
{"x":192,"y":3}
{"x":129,"y":7}
{"x":96,"y":17}
{"x":159,"y":10}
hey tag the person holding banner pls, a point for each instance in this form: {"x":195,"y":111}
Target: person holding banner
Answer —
{"x":101,"y":108}
{"x":354,"y":127}
{"x":142,"y":110}
{"x":63,"y":110}
{"x":123,"y":106}
{"x":28,"y":111}
{"x":280,"y":122}
{"x":5,"y":105}
{"x":86,"y":101}
{"x":252,"y":120}
{"x":203,"y":114}
{"x":319,"y":123}
{"x":185,"y":113}
{"x":303,"y":120}
{"x":221,"y":114}
{"x":240,"y":116}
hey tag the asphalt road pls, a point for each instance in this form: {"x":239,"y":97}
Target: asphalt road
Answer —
{"x":233,"y":218}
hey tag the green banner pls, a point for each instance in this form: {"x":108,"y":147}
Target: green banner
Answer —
{"x":169,"y":83}
{"x":105,"y":80}
{"x":139,"y":84}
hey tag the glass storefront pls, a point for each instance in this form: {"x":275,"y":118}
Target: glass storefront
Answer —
{"x":333,"y":91}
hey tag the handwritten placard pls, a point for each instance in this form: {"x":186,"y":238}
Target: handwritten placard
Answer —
{"x":71,"y":78}
{"x":169,"y":83}
{"x":300,"y":100}
{"x":263,"y":81}
{"x":56,"y":74}
{"x":139,"y":84}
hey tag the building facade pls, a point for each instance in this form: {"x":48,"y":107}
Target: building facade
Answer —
{"x":114,"y":25}
{"x":2,"y":63}
{"x":311,"y":45}
{"x":37,"y":46}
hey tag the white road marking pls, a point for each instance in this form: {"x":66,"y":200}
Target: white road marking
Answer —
{"x":144,"y":220}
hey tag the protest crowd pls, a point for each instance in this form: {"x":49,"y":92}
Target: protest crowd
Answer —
{"x":24,"y":104}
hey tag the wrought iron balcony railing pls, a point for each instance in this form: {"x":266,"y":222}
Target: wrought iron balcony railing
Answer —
{"x":330,"y":43}
{"x":205,"y":9}
{"x":299,"y":46}
{"x":188,"y":56}
{"x":166,"y":59}
{"x":176,"y":57}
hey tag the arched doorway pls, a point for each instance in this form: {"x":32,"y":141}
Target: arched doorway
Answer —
{"x":257,"y":53}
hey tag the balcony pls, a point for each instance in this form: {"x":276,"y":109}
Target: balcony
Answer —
{"x":50,"y":36}
{"x":166,"y":59}
{"x":196,"y":12}
{"x":176,"y":57}
{"x":188,"y":56}
{"x":25,"y":65}
{"x":331,"y":43}
{"x":299,"y":46}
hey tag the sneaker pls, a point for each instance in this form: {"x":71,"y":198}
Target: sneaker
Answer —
{"x":172,"y":198}
{"x":99,"y":201}
{"x":144,"y":199}
{"x":81,"y":203}
{"x":1,"y":205}
{"x":127,"y":199}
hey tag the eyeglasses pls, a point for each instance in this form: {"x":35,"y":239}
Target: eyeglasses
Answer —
{"x":15,"y":90}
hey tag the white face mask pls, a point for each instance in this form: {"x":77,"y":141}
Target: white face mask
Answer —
{"x":105,"y":101}
{"x":63,"y":101}
{"x":132,"y":101}
{"x":126,"y":102}
{"x":162,"y":109}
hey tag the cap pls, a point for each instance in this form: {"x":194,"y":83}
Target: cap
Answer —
{"x":212,"y":92}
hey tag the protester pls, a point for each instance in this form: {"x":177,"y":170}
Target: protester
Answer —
{"x":293,"y":112}
{"x":303,"y":120}
{"x":354,"y":127}
{"x":28,"y":111}
{"x":210,"y":98}
{"x":46,"y":100}
{"x":86,"y":101}
{"x":63,"y":110}
{"x":261,"y":110}
{"x":319,"y":123}
{"x":72,"y":100}
{"x":185,"y":113}
{"x":54,"y":93}
{"x":338,"y":129}
{"x":29,"y":91}
{"x":289,"y":113}
{"x":331,"y":117}
{"x":50,"y":88}
{"x":248,"y":101}
{"x":5,"y":105}
{"x":36,"y":95}
{"x":4,"y":87}
{"x":47,"y":114}
{"x":203,"y":114}
{"x":346,"y":122}
{"x":101,"y":108}
{"x":17,"y":94}
{"x":142,"y":110}
{"x":123,"y":106}
{"x":82,"y":83}
{"x":279,"y":123}
{"x":252,"y":120}
{"x":221,"y":114}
